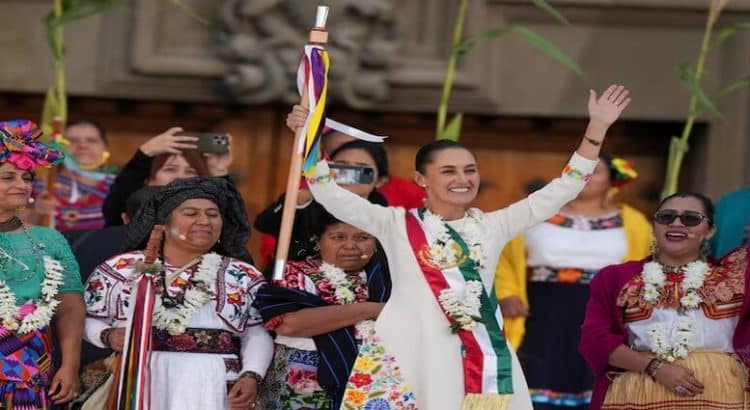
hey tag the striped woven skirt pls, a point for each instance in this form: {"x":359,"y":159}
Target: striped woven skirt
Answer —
{"x":26,"y":370}
{"x":723,"y":376}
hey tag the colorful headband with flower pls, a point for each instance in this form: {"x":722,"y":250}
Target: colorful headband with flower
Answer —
{"x":621,"y":171}
{"x":20,"y":145}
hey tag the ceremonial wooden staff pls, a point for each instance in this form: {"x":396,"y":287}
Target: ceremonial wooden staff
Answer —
{"x":318,"y":36}
{"x":129,"y":390}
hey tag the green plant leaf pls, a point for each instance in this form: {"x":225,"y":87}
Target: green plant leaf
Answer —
{"x":727,"y":32}
{"x":542,"y":4}
{"x":191,"y":12}
{"x":732,"y":87}
{"x":452,"y":131}
{"x":85,"y":8}
{"x":688,"y":80}
{"x":549,"y":48}
{"x":480,"y":38}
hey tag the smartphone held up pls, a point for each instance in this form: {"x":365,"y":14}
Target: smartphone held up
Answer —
{"x":352,"y":174}
{"x":209,"y":142}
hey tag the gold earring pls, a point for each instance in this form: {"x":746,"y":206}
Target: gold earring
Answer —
{"x":654,"y":248}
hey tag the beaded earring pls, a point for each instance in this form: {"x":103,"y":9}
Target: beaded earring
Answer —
{"x":705,"y":249}
{"x":654,"y":248}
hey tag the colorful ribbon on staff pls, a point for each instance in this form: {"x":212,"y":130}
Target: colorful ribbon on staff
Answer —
{"x":312,"y":75}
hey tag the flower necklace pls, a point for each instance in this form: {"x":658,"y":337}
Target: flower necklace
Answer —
{"x":446,"y":253}
{"x":42,"y":309}
{"x":340,"y":283}
{"x":174,"y":319}
{"x":465,"y":312}
{"x":654,"y":278}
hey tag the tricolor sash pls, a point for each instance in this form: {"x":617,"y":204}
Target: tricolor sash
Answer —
{"x":487,"y":363}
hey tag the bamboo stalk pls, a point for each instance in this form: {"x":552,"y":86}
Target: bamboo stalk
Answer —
{"x":450,"y":72}
{"x":679,"y":146}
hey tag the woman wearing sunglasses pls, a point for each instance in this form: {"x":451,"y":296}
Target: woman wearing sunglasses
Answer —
{"x":663,"y":332}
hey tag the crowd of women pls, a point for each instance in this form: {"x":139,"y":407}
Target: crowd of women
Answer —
{"x":397,"y":294}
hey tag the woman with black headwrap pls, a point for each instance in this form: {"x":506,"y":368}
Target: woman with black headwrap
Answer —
{"x":208,"y":350}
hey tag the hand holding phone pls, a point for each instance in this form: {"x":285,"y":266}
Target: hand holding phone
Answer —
{"x":352,"y":174}
{"x":209,"y":142}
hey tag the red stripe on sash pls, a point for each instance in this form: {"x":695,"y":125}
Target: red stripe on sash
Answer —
{"x":472,"y":357}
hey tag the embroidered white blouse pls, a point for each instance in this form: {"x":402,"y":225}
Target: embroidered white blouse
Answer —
{"x":187,"y":380}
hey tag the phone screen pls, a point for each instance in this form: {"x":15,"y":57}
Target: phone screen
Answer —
{"x":352,"y":174}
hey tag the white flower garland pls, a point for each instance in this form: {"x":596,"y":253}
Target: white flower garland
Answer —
{"x":45,"y":305}
{"x":465,"y":313}
{"x":657,"y":336}
{"x":340,"y":283}
{"x":446,"y":253}
{"x":174,"y":320}
{"x":654,"y":277}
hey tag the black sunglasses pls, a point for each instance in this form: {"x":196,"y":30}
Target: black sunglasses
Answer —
{"x":688,"y":218}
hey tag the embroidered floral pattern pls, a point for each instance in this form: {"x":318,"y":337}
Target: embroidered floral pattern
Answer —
{"x":376,"y":381}
{"x":723,"y":283}
{"x":195,"y":292}
{"x":694,"y":286}
{"x":572,"y":172}
{"x":215,"y":341}
{"x":587,"y":224}
{"x":330,"y":283}
{"x":108,"y":290}
{"x":292,"y":381}
{"x":560,"y":275}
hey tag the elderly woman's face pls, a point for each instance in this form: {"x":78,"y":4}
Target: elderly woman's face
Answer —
{"x":15,"y":186}
{"x":196,"y":223}
{"x":86,"y":144}
{"x":346,"y":247}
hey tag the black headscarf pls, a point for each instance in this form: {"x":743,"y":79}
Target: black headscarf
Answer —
{"x":155,"y":211}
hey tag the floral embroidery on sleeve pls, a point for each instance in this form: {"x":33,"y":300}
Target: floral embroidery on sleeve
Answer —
{"x":236,"y":293}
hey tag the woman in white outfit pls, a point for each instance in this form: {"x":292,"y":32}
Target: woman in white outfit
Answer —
{"x":439,"y":338}
{"x":209,"y":349}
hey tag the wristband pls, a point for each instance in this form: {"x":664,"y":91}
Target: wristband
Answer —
{"x":592,"y":141}
{"x":254,"y":375}
{"x":104,"y":336}
{"x":653,"y":366}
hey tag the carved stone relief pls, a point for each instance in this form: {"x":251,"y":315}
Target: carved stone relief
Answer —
{"x":262,"y":39}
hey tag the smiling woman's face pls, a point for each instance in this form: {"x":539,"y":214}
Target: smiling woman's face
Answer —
{"x":15,"y":186}
{"x":674,"y":238}
{"x":196,"y":224}
{"x":451,"y":177}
